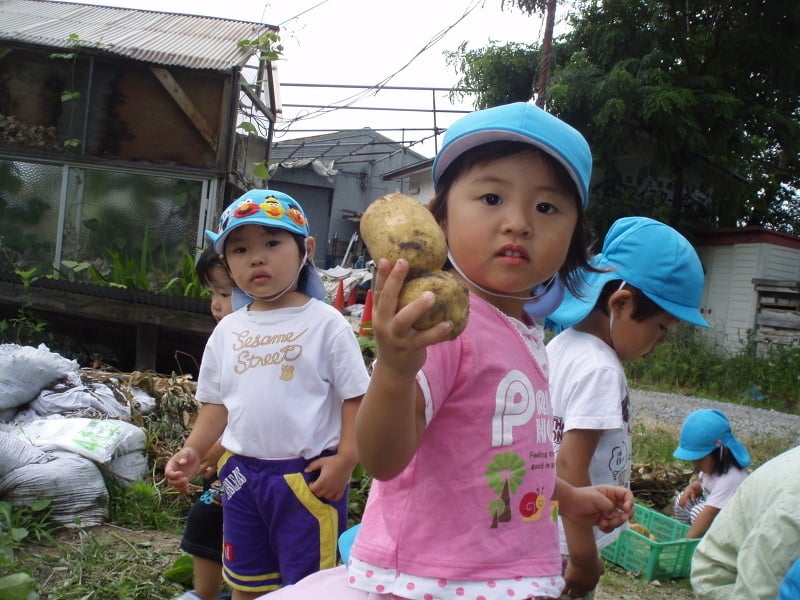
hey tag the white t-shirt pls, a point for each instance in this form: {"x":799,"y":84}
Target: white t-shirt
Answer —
{"x":589,"y":390}
{"x":719,"y":489}
{"x":282,"y":375}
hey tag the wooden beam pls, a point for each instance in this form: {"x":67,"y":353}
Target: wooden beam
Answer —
{"x":105,"y":309}
{"x":186,"y":105}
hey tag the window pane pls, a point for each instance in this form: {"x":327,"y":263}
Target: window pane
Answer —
{"x":28,"y":215}
{"x":132,"y":222}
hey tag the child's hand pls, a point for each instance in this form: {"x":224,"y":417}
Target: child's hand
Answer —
{"x":180,"y":469}
{"x":581,"y":577}
{"x":334,"y":475}
{"x":692,"y":492}
{"x":607,"y":506}
{"x":208,"y":464}
{"x":399,"y":344}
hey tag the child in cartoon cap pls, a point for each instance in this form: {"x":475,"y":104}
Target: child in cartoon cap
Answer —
{"x":646,"y":279}
{"x":456,"y":433}
{"x":719,"y":459}
{"x":280,"y":381}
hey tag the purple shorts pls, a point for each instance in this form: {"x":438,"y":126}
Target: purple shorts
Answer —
{"x":275,"y":530}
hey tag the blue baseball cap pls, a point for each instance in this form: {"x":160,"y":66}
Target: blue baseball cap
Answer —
{"x":705,"y":430}
{"x":650,"y":256}
{"x":519,"y":122}
{"x":269,"y":208}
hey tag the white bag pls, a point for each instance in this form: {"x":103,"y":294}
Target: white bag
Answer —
{"x":25,"y":371}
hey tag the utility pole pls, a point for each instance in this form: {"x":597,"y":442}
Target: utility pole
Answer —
{"x":547,"y":55}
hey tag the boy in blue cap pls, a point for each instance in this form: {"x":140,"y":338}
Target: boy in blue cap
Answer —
{"x":280,"y":381}
{"x":645,"y":280}
{"x":719,"y":459}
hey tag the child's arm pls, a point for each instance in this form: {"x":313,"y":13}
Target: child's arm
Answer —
{"x":702,"y":522}
{"x":184,"y":464}
{"x":336,"y":471}
{"x":692,"y":492}
{"x":606,"y":506}
{"x":208,"y":464}
{"x":391,"y":419}
{"x":572,"y":465}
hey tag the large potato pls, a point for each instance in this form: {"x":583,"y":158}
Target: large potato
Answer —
{"x":452,"y":300}
{"x":396,"y":226}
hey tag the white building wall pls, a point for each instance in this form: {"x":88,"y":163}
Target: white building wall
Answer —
{"x":730,"y":301}
{"x":780,"y":263}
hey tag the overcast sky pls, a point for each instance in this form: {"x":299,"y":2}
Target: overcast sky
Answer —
{"x":365,"y":42}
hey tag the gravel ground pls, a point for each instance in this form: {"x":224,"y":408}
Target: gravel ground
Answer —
{"x":669,"y":410}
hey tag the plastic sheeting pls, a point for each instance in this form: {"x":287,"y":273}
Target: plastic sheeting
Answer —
{"x":62,"y":432}
{"x":74,"y":484}
{"x":25,"y":371}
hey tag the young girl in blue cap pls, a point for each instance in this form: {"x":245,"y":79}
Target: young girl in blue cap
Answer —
{"x":280,"y":381}
{"x":457,"y":434}
{"x":645,"y":280}
{"x":719,"y":459}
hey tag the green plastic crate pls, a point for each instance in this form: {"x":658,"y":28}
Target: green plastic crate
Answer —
{"x":668,"y":558}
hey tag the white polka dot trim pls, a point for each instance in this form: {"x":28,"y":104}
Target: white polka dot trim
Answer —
{"x":377,"y":580}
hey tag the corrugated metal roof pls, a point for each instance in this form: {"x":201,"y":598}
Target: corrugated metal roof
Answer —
{"x":168,"y":39}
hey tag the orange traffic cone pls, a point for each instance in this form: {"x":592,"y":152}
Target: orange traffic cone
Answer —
{"x":351,"y":298}
{"x":365,"y":328}
{"x":338,"y":303}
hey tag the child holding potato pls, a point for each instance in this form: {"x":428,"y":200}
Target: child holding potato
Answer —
{"x":280,"y":381}
{"x":457,"y":432}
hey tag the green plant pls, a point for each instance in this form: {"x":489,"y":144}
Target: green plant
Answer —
{"x":70,"y":96}
{"x":27,"y":327}
{"x":17,"y":524}
{"x":359,"y":489}
{"x":141,"y":505}
{"x":269,"y":49}
{"x":122,"y":271}
{"x":686,"y":364}
{"x":188,"y":284}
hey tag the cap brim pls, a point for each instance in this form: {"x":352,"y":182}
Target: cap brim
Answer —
{"x":689,"y":314}
{"x":683,"y":454}
{"x":574,"y":309}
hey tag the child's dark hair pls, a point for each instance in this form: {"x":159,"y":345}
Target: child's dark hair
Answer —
{"x":643,"y":307}
{"x":208,"y":261}
{"x":577,"y":254}
{"x":723,"y":460}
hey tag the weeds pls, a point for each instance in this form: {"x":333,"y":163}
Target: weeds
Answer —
{"x":685,"y":364}
{"x":16,"y":525}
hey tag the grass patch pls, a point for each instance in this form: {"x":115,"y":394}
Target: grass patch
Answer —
{"x":686,"y":365}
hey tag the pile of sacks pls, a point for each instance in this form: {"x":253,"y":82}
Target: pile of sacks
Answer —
{"x":63,"y":433}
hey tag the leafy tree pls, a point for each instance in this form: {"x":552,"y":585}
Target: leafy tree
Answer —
{"x":693,"y":117}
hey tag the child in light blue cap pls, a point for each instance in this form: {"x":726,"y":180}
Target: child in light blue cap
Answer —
{"x":645,"y":280}
{"x":280,"y":381}
{"x":719,"y":459}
